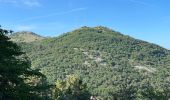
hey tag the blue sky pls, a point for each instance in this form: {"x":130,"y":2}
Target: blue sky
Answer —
{"x":148,"y":20}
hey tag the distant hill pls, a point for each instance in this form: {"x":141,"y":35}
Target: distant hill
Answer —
{"x":25,"y":36}
{"x":109,"y":62}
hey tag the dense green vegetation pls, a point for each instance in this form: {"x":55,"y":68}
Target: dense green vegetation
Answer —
{"x":113,"y":65}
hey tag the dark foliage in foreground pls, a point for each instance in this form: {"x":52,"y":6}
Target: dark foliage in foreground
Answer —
{"x":16,"y":76}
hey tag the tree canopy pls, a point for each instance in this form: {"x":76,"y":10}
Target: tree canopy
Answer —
{"x":72,"y":88}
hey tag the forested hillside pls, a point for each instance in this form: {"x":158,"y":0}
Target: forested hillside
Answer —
{"x":112,"y":64}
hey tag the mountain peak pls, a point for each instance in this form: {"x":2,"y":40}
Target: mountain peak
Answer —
{"x":25,"y":36}
{"x":86,"y":31}
{"x":97,"y":28}
{"x":27,"y":32}
{"x":102,"y":28}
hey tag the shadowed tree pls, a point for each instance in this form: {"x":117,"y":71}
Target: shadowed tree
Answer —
{"x":16,"y":74}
